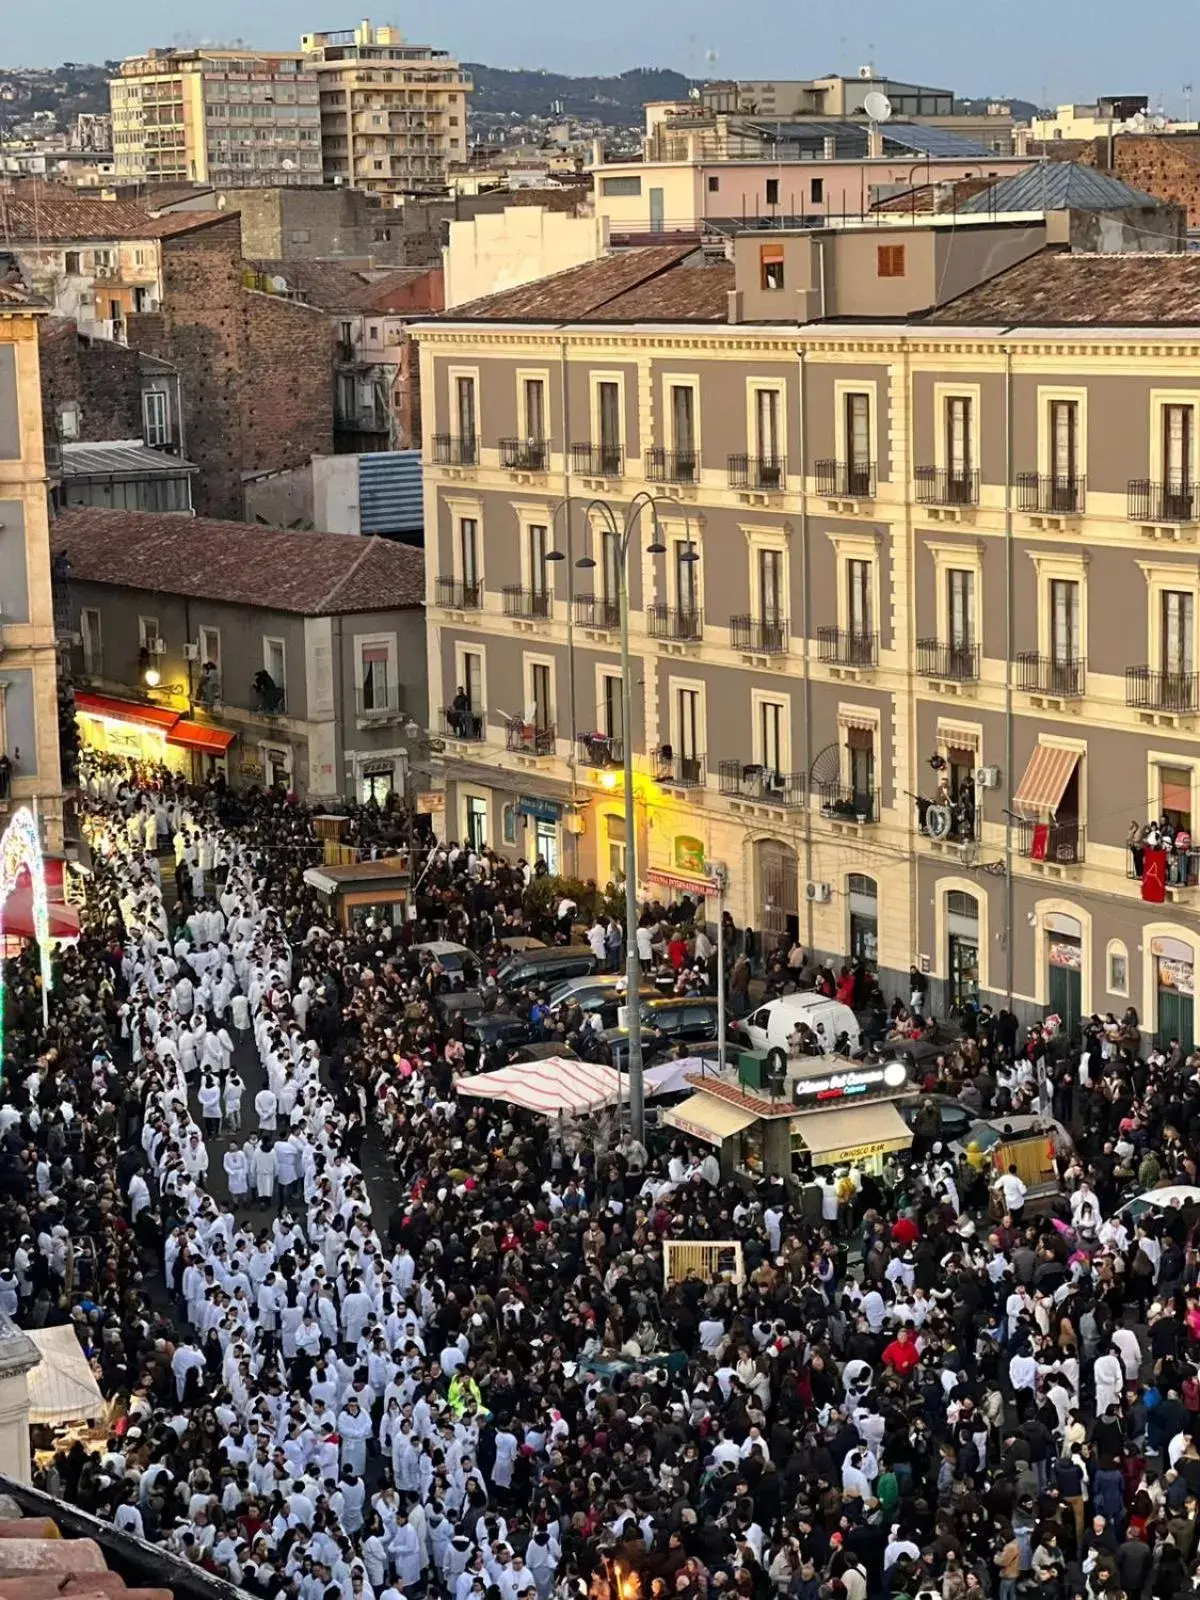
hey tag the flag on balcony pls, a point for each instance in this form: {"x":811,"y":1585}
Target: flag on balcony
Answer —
{"x":1154,"y":875}
{"x":1040,"y":843}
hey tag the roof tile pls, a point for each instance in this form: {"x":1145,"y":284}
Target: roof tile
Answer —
{"x":595,"y":291}
{"x":1056,"y":289}
{"x":50,"y":213}
{"x":314,"y":574}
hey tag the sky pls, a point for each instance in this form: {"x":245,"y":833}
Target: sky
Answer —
{"x":1048,"y":51}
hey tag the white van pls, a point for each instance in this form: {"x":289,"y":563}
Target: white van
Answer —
{"x":770,"y":1026}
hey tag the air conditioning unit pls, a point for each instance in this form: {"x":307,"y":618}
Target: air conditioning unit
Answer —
{"x":987,"y":777}
{"x":157,"y":646}
{"x":191,"y":652}
{"x":821,"y":893}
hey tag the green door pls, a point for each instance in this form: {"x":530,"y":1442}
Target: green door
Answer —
{"x":1174,"y":1017}
{"x":1066,"y":989}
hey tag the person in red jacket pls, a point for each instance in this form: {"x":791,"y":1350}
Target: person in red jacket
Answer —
{"x":901,"y":1355}
{"x":905,"y":1232}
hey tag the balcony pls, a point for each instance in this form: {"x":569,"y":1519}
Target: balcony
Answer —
{"x":459,"y":594}
{"x":597,"y":460}
{"x":450,"y":450}
{"x":1052,"y":496}
{"x":759,"y":636}
{"x":268,"y":700}
{"x":841,"y":802}
{"x":944,"y":486}
{"x":846,"y":480}
{"x":465,"y":724}
{"x":593,"y":612}
{"x":1062,"y":680}
{"x":600,"y":749}
{"x":525,"y":455}
{"x":532,"y":604}
{"x":1057,"y":843}
{"x":529,"y":738}
{"x":846,"y":647}
{"x":765,"y":474}
{"x":954,"y":663}
{"x":672,"y":466}
{"x":377,"y":705}
{"x":669,"y":622}
{"x":682,"y":772}
{"x":755,"y":782}
{"x":1170,"y":504}
{"x":1183,"y":870}
{"x":1147,"y":690}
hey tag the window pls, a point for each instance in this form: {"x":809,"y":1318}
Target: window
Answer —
{"x":1175,"y":796}
{"x":275,"y":662}
{"x":683,"y":430}
{"x":817,"y":191}
{"x":148,"y":634}
{"x":155,"y":425}
{"x":377,"y":690}
{"x":613,"y":188}
{"x":860,"y":764}
{"x":468,"y":553}
{"x":687,"y":582}
{"x":347,"y":396}
{"x":545,"y":844}
{"x":858,"y":442}
{"x":772,"y":191}
{"x":1178,"y":631}
{"x":210,"y":646}
{"x":687,"y":712}
{"x":770,"y":735}
{"x":1178,"y":447}
{"x":608,"y":413}
{"x":1065,"y":620}
{"x":538,"y":545}
{"x":534,"y":396}
{"x":71,"y":263}
{"x":464,"y":395}
{"x":476,"y":819}
{"x":958,"y":441}
{"x":541,"y":707}
{"x":611,"y":708}
{"x":90,"y":634}
{"x":858,"y":599}
{"x":714,"y":183}
{"x":767,"y":433}
{"x":1118,"y":969}
{"x":614,"y":831}
{"x":610,"y":567}
{"x":770,"y":586}
{"x":1064,"y":442}
{"x":770,"y":260}
{"x":889,"y":261}
{"x":960,"y":608}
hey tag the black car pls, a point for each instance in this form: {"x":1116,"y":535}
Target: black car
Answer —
{"x":526,"y":969}
{"x":542,"y":1052}
{"x":497,"y":1027}
{"x":613,"y":1046}
{"x":691,"y":1017}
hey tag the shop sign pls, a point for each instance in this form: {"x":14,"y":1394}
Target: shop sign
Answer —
{"x":532,"y":805}
{"x":1064,"y":954}
{"x":689,"y":853}
{"x":856,"y":1152}
{"x":1173,"y":949}
{"x":1177,"y":975}
{"x":696,"y":1131}
{"x":839,"y":1085}
{"x":676,"y":880}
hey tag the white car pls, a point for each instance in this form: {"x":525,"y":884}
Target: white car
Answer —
{"x":771,"y":1025}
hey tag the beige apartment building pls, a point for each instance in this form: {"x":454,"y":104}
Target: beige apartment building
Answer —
{"x":232,"y":118}
{"x":939,"y":650}
{"x":393,"y":115}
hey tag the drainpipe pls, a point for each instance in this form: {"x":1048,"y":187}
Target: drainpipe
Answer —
{"x":565,"y":409}
{"x":805,"y":616}
{"x":1008,"y":680}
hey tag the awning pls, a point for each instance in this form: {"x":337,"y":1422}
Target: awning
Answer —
{"x":199,"y":736}
{"x":709,"y":1119}
{"x":958,"y":738}
{"x":863,"y":721}
{"x":107,"y":705}
{"x":680,"y":881}
{"x":18,"y":919}
{"x":62,"y":1387}
{"x":554,"y":1087}
{"x":853,"y":1134}
{"x":1045,"y":779}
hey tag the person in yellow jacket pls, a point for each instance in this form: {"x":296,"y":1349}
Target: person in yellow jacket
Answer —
{"x":463,"y":1392}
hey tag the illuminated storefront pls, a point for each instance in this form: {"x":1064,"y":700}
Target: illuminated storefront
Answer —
{"x":144,"y":732}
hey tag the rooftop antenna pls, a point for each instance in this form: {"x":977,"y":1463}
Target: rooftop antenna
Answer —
{"x":878,"y":108}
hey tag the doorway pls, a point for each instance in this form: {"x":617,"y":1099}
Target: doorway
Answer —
{"x":962,"y":926}
{"x":1176,"y":985}
{"x":864,"y":919}
{"x":1064,"y":958}
{"x":777,"y":877}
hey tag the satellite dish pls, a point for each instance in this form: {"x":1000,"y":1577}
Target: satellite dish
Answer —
{"x":278,"y":284}
{"x":877,"y":106}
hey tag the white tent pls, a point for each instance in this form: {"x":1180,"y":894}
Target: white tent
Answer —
{"x":671,"y":1077}
{"x":555,"y":1087}
{"x":62,"y":1387}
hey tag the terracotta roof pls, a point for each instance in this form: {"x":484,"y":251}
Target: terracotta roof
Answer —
{"x":734,"y":1095}
{"x":603,"y":291}
{"x":51,"y":213}
{"x":328,"y":285}
{"x":1057,"y":289}
{"x":947,"y":195}
{"x":315,"y":574}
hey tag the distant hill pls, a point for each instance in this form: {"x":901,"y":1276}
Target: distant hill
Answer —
{"x":617,"y":102}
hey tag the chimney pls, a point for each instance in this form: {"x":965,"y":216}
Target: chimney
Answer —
{"x":733,"y":311}
{"x":597,"y":152}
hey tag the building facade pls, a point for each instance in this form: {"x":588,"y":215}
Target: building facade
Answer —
{"x":938,"y":652}
{"x":204,"y":115}
{"x":271,"y":657}
{"x":29,"y":731}
{"x":393,"y":115}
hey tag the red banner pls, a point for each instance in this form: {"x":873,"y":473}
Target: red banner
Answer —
{"x":1040,"y":842}
{"x":1154,"y":875}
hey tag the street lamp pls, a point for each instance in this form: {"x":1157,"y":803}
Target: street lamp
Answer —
{"x":622,"y":531}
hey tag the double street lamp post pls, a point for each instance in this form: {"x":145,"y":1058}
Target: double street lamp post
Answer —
{"x":622,"y":530}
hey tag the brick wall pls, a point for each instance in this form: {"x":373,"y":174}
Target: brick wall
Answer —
{"x":255,"y":371}
{"x":1166,"y":167}
{"x":102,"y":379}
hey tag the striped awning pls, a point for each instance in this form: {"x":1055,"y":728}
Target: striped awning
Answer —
{"x":555,"y":1087}
{"x":1045,"y":779}
{"x":958,"y":738}
{"x":862,"y":720}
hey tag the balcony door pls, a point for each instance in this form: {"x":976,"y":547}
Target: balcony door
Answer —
{"x":959,"y":462}
{"x":1178,"y":634}
{"x":858,"y":444}
{"x":464,"y":392}
{"x":611,"y":708}
{"x":768,"y":439}
{"x":1066,"y":628}
{"x":541,"y":713}
{"x":683,"y":431}
{"x":960,"y":615}
{"x":770,"y":739}
{"x":538,"y":536}
{"x":1064,"y":454}
{"x":687,"y":715}
{"x":472,"y":673}
{"x":1178,"y":475}
{"x":687,"y":583}
{"x":610,"y":572}
{"x":468,"y":556}
{"x":608,"y":407}
{"x":859,"y":622}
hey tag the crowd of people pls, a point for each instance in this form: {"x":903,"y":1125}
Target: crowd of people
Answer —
{"x":469,"y":1378}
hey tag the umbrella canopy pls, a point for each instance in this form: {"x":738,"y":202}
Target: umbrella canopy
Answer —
{"x":18,"y":920}
{"x":555,"y":1087}
{"x":62,"y":1388}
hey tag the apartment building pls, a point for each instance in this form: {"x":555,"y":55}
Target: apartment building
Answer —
{"x":29,"y":729}
{"x":393,"y":115}
{"x":232,"y":117}
{"x":938,"y":651}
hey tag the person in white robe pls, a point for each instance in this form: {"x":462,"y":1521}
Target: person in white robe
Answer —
{"x":236,"y":1172}
{"x":264,"y":1171}
{"x":354,"y":1425}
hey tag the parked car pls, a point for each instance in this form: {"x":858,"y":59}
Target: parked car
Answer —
{"x":462,"y":964}
{"x":525,"y":969}
{"x":544,"y":1051}
{"x":771,"y":1025}
{"x":691,"y":1017}
{"x":601,"y":992}
{"x":459,"y":1002}
{"x":517,"y":942}
{"x":956,"y":1118}
{"x":614,"y":1047}
{"x":492,"y":1027}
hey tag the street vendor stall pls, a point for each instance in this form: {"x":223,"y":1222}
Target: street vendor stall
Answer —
{"x":555,"y":1087}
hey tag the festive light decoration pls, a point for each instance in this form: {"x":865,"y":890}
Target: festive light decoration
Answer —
{"x":21,"y":850}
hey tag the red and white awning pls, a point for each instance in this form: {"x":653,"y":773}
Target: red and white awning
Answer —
{"x":554,"y":1087}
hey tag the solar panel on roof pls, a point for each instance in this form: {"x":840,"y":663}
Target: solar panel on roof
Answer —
{"x":931,"y":141}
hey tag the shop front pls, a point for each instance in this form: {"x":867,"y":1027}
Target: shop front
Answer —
{"x":542,"y":821}
{"x":143,"y":732}
{"x":1064,"y":971}
{"x":962,"y":932}
{"x":1175,"y":983}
